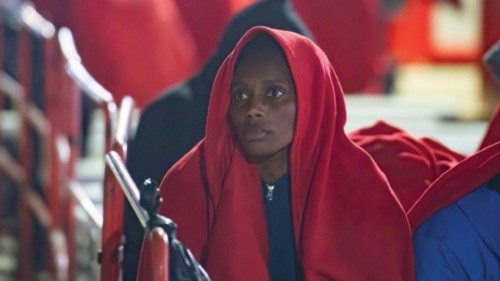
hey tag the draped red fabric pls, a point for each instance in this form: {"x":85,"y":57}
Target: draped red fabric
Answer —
{"x":493,"y":131}
{"x":343,"y":26}
{"x":347,"y":223}
{"x":207,"y":27}
{"x":457,"y":182}
{"x":134,"y":47}
{"x":410,"y":164}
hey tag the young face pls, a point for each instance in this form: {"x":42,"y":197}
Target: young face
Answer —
{"x":263,"y":105}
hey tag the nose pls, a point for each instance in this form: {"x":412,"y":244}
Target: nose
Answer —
{"x":255,"y":108}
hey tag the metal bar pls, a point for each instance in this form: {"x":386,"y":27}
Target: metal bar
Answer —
{"x":11,"y":167}
{"x":11,"y":88}
{"x":85,"y":82}
{"x":23,"y":14}
{"x":67,"y":45}
{"x":78,"y":72}
{"x":37,"y":119}
{"x":9,"y":14}
{"x":124,"y":120}
{"x":35,"y":22}
{"x":38,"y":208}
{"x":127,"y":185}
{"x":59,"y":257}
{"x":87,"y":205}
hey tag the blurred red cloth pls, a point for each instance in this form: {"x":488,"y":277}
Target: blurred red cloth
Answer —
{"x":207,"y":20}
{"x":135,"y":47}
{"x":351,"y":34}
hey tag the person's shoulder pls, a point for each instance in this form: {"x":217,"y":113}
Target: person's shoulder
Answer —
{"x":439,"y":245}
{"x":442,"y":224}
{"x":482,"y":200}
{"x":188,"y":166}
{"x":184,"y":180}
{"x":446,"y":222}
{"x":457,"y":242}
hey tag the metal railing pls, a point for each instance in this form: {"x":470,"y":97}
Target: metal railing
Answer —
{"x":32,"y":205}
{"x":65,"y":79}
{"x":155,"y":236}
{"x":42,"y":165}
{"x":117,"y":129}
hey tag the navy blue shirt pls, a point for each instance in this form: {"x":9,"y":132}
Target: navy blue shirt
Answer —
{"x":282,"y":263}
{"x":462,"y":240}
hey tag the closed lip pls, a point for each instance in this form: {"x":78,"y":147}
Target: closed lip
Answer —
{"x":253,"y":132}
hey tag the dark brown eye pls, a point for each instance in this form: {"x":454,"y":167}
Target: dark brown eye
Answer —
{"x":240,"y":95}
{"x":275,"y":92}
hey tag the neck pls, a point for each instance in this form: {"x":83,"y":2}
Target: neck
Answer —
{"x":273,"y":167}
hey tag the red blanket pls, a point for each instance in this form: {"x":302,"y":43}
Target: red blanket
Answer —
{"x":410,"y":164}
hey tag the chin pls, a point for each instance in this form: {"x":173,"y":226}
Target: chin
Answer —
{"x":256,"y":152}
{"x":255,"y":156}
{"x":261,"y":152}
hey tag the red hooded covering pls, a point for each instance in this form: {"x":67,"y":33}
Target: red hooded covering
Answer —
{"x":410,"y":164}
{"x":348,"y":225}
{"x":456,"y":183}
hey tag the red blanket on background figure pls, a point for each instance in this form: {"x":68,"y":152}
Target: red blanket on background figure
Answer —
{"x":410,"y":164}
{"x":207,"y":20}
{"x":133,"y":47}
{"x":352,"y":34}
{"x":424,"y":174}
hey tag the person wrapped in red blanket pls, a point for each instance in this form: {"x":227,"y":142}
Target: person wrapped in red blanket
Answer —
{"x":276,"y":116}
{"x":456,"y":219}
{"x":451,"y":200}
